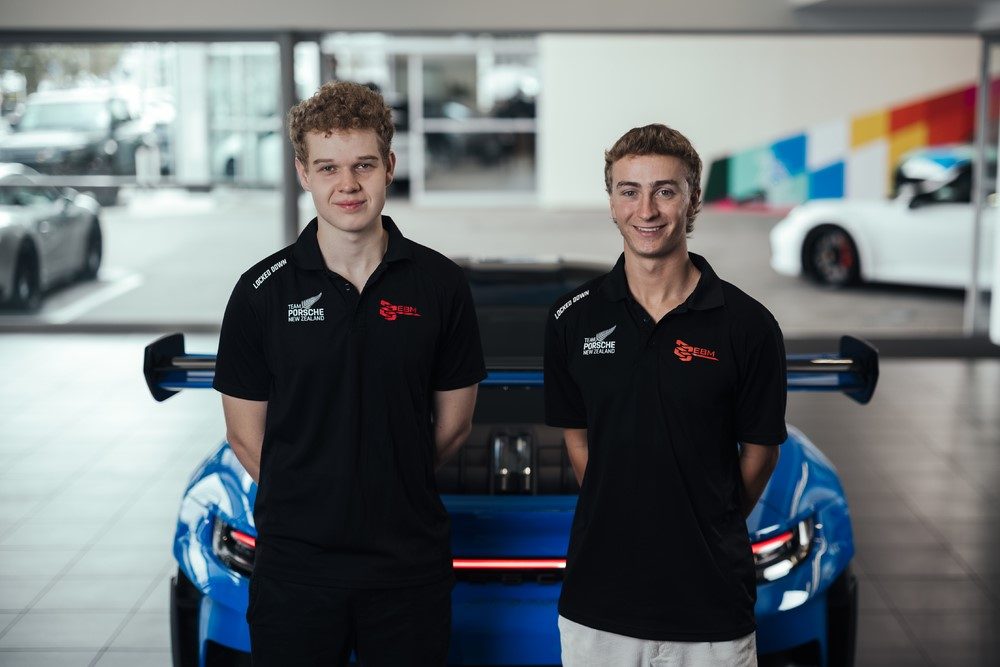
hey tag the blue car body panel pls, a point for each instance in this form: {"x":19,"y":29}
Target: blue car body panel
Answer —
{"x":496,"y":623}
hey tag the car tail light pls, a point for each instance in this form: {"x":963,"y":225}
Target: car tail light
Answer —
{"x":510,"y":570}
{"x":233,"y":547}
{"x":776,"y":555}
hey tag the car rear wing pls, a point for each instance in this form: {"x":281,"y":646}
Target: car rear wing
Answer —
{"x":854,"y":370}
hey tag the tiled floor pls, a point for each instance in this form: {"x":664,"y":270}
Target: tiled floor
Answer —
{"x":91,"y":470}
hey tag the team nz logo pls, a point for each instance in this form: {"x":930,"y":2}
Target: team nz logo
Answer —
{"x":304,"y":312}
{"x":599,"y":344}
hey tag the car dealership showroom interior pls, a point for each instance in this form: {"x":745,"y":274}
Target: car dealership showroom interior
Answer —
{"x":848,"y":184}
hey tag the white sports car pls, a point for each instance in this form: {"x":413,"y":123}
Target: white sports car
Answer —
{"x":922,"y":237}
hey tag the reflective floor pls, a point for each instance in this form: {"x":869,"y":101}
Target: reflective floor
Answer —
{"x":91,"y":471}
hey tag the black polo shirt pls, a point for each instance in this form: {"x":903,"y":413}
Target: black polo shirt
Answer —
{"x":347,"y":494}
{"x":659,"y":548}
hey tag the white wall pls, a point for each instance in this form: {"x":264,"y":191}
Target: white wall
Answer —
{"x":726,"y":93}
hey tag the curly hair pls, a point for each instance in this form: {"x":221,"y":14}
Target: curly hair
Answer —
{"x":658,"y":139}
{"x":338,"y":106}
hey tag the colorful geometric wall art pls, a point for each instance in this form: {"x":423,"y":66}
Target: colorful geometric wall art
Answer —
{"x":850,"y":157}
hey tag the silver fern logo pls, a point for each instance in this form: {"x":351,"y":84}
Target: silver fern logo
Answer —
{"x":600,"y":344}
{"x":308,"y":303}
{"x":304,"y":311}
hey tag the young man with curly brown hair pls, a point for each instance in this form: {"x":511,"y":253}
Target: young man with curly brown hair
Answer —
{"x":348,"y":364}
{"x":656,"y":371}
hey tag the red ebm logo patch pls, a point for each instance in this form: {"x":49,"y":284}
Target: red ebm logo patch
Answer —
{"x":391,"y":312}
{"x":686,"y":352}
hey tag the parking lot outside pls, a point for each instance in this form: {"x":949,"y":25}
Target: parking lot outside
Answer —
{"x":173,"y":257}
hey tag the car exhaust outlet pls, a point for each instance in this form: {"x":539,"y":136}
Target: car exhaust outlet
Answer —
{"x":512,"y":463}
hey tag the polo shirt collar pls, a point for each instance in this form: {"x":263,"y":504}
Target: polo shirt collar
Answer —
{"x":307,"y":255}
{"x":707,"y":293}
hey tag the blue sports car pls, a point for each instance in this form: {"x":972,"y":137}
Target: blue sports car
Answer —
{"x":511,"y":495}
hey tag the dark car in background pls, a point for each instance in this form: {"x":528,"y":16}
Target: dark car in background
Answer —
{"x":81,"y":132}
{"x":48,"y":236}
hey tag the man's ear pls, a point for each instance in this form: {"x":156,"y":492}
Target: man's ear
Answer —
{"x":390,"y":168}
{"x":300,"y":169}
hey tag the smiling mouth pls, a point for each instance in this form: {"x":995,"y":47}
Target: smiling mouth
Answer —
{"x":350,"y":205}
{"x":648,"y":230}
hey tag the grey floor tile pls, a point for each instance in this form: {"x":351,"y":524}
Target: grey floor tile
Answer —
{"x":880,"y":630}
{"x":969,"y":531}
{"x":120,"y":658}
{"x":880,"y":533}
{"x":34,"y":563}
{"x":65,"y":534}
{"x":43,"y":658}
{"x":949,"y":655}
{"x":159,"y":598}
{"x":910,"y":561}
{"x":17,"y":594}
{"x":6,"y":618}
{"x":941,"y":595}
{"x":42,"y":629}
{"x":145,"y":630}
{"x":85,"y":593}
{"x":869,"y":596}
{"x":955,"y":628}
{"x":18,"y":509}
{"x":66,"y":509}
{"x":139,"y":533}
{"x":139,"y":562}
{"x":908,"y":656}
{"x":983,"y":559}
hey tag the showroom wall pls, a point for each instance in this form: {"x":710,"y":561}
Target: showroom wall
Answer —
{"x":727,"y":93}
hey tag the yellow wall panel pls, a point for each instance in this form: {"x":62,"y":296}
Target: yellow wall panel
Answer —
{"x":868,"y":128}
{"x":904,"y":140}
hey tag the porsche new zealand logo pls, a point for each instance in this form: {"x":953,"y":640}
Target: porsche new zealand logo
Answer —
{"x":304,"y":311}
{"x":599,"y":344}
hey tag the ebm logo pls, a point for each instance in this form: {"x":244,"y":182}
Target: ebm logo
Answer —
{"x":390,"y":312}
{"x":686,"y":352}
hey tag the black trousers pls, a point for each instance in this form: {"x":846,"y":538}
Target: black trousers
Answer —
{"x":304,"y":625}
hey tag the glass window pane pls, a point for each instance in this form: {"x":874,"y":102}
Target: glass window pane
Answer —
{"x":500,"y":161}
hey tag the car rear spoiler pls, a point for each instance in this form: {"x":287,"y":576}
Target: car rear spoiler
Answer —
{"x":854,"y":371}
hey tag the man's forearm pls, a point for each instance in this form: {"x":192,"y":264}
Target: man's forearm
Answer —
{"x":245,"y":431}
{"x":578,"y":451}
{"x":446,"y":445}
{"x":757,"y":462}
{"x":453,"y":411}
{"x":248,"y":454}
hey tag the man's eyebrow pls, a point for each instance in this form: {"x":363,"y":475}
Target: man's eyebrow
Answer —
{"x":655,"y":184}
{"x":361,"y":158}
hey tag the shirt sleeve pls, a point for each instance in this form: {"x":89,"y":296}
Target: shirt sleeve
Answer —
{"x":240,"y":367}
{"x":459,"y":360}
{"x":564,"y":406}
{"x":762,"y":394}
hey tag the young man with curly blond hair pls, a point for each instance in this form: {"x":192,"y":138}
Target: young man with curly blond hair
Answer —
{"x":348,"y":364}
{"x":656,"y":371}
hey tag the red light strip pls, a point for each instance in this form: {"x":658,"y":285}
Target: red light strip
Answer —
{"x":244,"y":539}
{"x":767,"y":545}
{"x":509,"y":564}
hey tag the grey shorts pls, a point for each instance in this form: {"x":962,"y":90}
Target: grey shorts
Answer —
{"x":583,"y":646}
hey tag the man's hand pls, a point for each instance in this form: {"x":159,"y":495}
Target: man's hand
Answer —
{"x":452,"y":421}
{"x":577,"y":450}
{"x":757,"y":462}
{"x":245,"y":430}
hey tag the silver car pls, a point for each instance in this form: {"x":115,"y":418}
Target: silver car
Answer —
{"x":47,"y":236}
